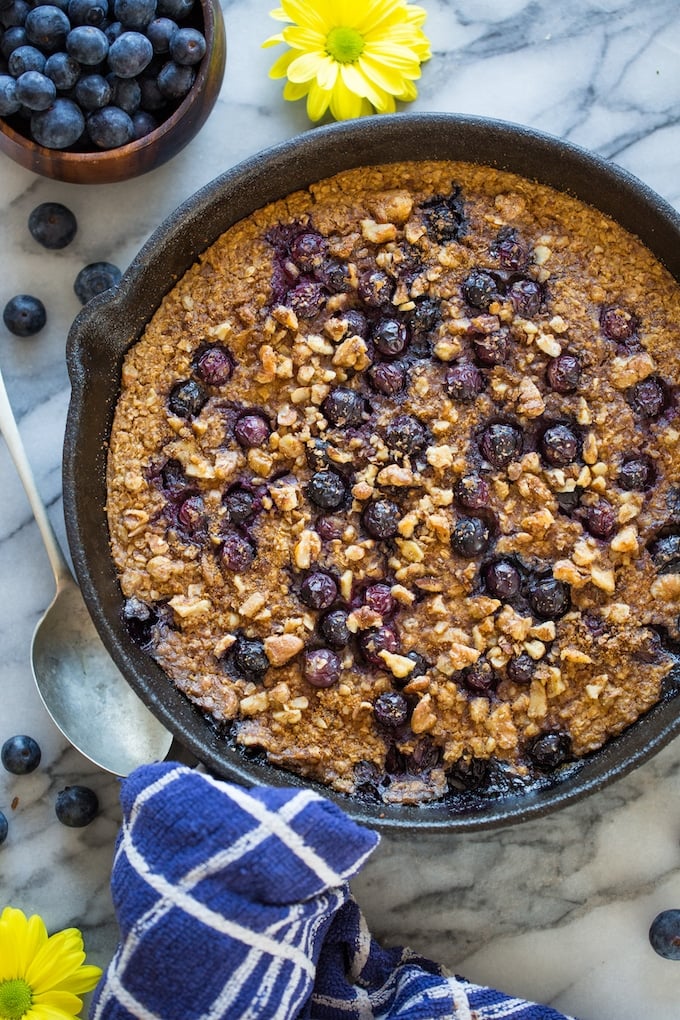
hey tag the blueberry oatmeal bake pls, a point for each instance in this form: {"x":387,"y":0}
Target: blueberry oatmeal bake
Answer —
{"x":393,"y":482}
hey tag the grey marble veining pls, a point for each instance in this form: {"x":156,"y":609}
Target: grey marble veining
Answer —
{"x":555,"y":909}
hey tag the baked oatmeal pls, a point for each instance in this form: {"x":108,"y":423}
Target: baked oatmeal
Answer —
{"x":393,"y":481}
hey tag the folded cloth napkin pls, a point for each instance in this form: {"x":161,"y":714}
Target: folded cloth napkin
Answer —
{"x":234,"y":904}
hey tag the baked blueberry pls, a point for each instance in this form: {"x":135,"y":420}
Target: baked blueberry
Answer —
{"x":321,"y":667}
{"x":307,"y":298}
{"x":521,"y":669}
{"x":376,"y":289}
{"x":390,"y":337}
{"x":237,"y":552}
{"x":214,"y":365}
{"x":327,"y":490}
{"x":618,"y":323}
{"x":381,"y":518}
{"x":500,"y":443}
{"x":564,"y":373}
{"x":344,"y":407}
{"x":502,"y":579}
{"x":407,"y":434}
{"x":380,"y":599}
{"x":356,"y":322}
{"x":550,"y":750}
{"x":52,"y":225}
{"x":76,"y":806}
{"x":174,"y":479}
{"x":526,"y":297}
{"x":600,"y":518}
{"x":24,"y":315}
{"x":20,"y":754}
{"x":491,"y":348}
{"x":240,"y":504}
{"x":549,"y":598}
{"x":333,"y":628}
{"x":388,"y":377}
{"x":444,"y":217}
{"x":252,"y":430}
{"x":509,"y":249}
{"x":191,"y":514}
{"x":318,"y":590}
{"x":480,"y":678}
{"x":637,"y":474}
{"x":421,"y":666}
{"x":308,"y":250}
{"x":249,"y":658}
{"x":329,"y":528}
{"x":560,"y":445}
{"x":391,"y":709}
{"x":480,"y":289}
{"x":376,"y":640}
{"x":464,"y":381}
{"x":649,"y":398}
{"x":187,"y":398}
{"x":470,"y":537}
{"x":472,"y":492}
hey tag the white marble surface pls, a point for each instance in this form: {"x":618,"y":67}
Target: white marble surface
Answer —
{"x":555,"y":909}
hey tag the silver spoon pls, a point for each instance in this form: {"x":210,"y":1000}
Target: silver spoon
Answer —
{"x":82,"y":689}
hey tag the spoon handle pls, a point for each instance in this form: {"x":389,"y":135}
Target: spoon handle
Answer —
{"x":8,"y":427}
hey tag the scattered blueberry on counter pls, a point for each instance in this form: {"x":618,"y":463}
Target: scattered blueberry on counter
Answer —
{"x":95,"y":279}
{"x":4,"y":828}
{"x":76,"y":806}
{"x":20,"y":754}
{"x":664,"y":934}
{"x":52,"y":225}
{"x":24,"y":315}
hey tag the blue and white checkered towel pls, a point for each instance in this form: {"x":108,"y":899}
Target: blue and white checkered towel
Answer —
{"x":234,"y":904}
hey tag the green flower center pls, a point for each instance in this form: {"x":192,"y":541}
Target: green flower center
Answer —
{"x":344,"y":44}
{"x":16,"y":998}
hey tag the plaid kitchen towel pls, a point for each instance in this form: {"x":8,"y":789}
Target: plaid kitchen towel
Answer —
{"x":234,"y":904}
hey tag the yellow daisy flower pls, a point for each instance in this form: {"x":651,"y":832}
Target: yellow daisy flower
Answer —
{"x":41,"y":977}
{"x":350,"y":56}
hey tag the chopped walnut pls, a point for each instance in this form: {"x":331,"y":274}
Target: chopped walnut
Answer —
{"x":378,"y":233}
{"x":625,"y":372}
{"x":306,"y":549}
{"x":530,"y":402}
{"x":666,"y":587}
{"x":281,"y":648}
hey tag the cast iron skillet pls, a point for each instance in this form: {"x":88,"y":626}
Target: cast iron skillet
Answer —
{"x":109,"y":324}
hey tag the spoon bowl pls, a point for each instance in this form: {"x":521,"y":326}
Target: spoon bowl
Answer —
{"x":82,"y":689}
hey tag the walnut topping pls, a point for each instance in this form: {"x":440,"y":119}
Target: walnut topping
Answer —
{"x":666,"y":587}
{"x":161,"y":568}
{"x":549,"y":344}
{"x":252,"y":605}
{"x":626,"y":541}
{"x":392,"y":206}
{"x":399,"y":665}
{"x":378,"y":233}
{"x":625,"y":372}
{"x":352,"y":353}
{"x":306,"y":549}
{"x":281,"y":648}
{"x":423,"y":718}
{"x":440,"y":456}
{"x":604,"y":579}
{"x":530,"y":402}
{"x":254,"y":704}
{"x":187,"y":606}
{"x":284,"y":495}
{"x":286,"y":317}
{"x":393,"y":474}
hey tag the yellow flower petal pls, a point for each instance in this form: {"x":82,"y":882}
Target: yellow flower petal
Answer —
{"x":83,"y":980}
{"x":295,"y":90}
{"x":317,"y":102}
{"x":327,"y":74}
{"x":361,"y":85}
{"x":391,"y":55}
{"x":305,"y":13}
{"x":304,"y":39}
{"x":47,"y":1013}
{"x":409,"y":92}
{"x":279,"y":68}
{"x":68,"y":1003}
{"x":35,"y":936}
{"x":273,"y":40}
{"x":384,"y":77}
{"x":344,"y":104}
{"x":305,"y":66}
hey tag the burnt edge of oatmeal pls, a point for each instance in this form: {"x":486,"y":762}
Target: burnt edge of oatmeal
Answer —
{"x":463,"y":396}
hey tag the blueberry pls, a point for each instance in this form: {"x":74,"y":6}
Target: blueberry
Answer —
{"x":564,"y":373}
{"x":308,"y":297}
{"x":318,"y":590}
{"x":407,"y":434}
{"x":521,"y":669}
{"x":214,"y":365}
{"x":500,"y":443}
{"x":13,"y":14}
{"x":502,"y":579}
{"x":110,"y":127}
{"x":76,"y":806}
{"x":174,"y":82}
{"x":9,"y":103}
{"x":480,"y":289}
{"x":95,"y":278}
{"x":665,"y":552}
{"x":618,"y":323}
{"x":237,"y":553}
{"x":10,"y":40}
{"x":20,"y":755}
{"x":174,"y":480}
{"x":549,"y":598}
{"x":421,"y":664}
{"x":329,"y":528}
{"x":491,"y":349}
{"x":241,"y":505}
{"x":24,"y":315}
{"x":134,"y":13}
{"x":333,"y":628}
{"x":470,"y":537}
{"x":143,"y":123}
{"x":130,"y":54}
{"x":177,"y":9}
{"x":390,"y":337}
{"x":343,"y":407}
{"x":526,"y":297}
{"x":444,"y":217}
{"x":637,"y":474}
{"x":125,"y":93}
{"x":309,"y":248}
{"x":648,"y":398}
{"x":550,"y":750}
{"x":52,"y":225}
{"x":187,"y":47}
{"x":35,"y":91}
{"x":664,"y":934}
{"x":464,"y":381}
{"x":112,"y":30}
{"x":252,"y":430}
{"x":326,"y":489}
{"x":356,"y":323}
{"x":600,"y":518}
{"x":509,"y":249}
{"x":249,"y":658}
{"x":334,"y":274}
{"x":87,"y":44}
{"x":376,"y":640}
{"x":472,"y":492}
{"x":191,"y":514}
{"x":376,"y":289}
{"x":4,"y":827}
{"x":152,"y":100}
{"x":88,"y":12}
{"x":25,"y":58}
{"x":425,"y":317}
{"x":380,"y":599}
{"x":47,"y":28}
{"x":469,"y":773}
{"x":480,"y":678}
{"x":63,"y":70}
{"x":187,"y":398}
{"x":58,"y":127}
{"x":391,"y":709}
{"x":381,"y":518}
{"x":92,"y":92}
{"x":159,"y":32}
{"x":387,"y":377}
{"x":560,"y":445}
{"x":321,"y":667}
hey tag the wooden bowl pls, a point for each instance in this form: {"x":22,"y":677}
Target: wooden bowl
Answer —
{"x":144,"y":154}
